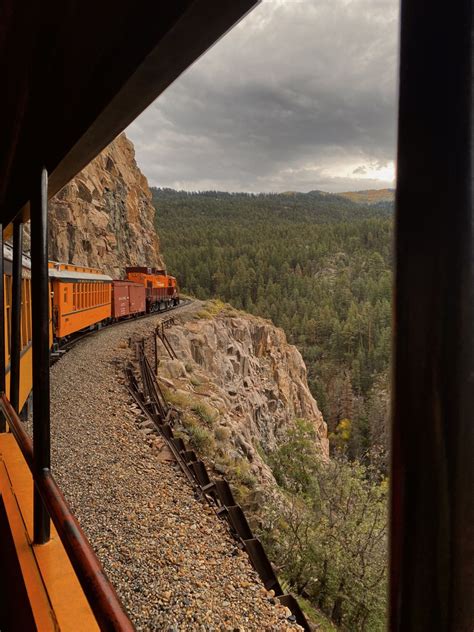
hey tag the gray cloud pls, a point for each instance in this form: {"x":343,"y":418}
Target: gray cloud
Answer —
{"x":300,"y":95}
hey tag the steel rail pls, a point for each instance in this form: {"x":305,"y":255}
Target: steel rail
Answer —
{"x":216,"y":493}
{"x":101,"y":595}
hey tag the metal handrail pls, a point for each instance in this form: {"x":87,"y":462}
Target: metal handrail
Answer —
{"x":102,"y":598}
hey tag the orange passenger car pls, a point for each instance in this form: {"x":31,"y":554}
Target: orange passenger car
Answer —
{"x":81,"y":298}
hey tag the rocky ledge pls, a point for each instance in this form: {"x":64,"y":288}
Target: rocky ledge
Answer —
{"x":239,"y":386}
{"x":104,"y":217}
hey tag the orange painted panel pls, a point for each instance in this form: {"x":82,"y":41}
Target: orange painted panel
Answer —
{"x":26,"y":335}
{"x":79,"y":305}
{"x":56,"y":597}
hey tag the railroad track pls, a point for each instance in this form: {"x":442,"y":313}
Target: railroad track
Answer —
{"x":64,"y":348}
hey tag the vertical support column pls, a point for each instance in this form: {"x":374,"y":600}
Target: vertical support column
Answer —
{"x":15,"y":344}
{"x":40,"y":298}
{"x":2,"y":328}
{"x":432,"y":480}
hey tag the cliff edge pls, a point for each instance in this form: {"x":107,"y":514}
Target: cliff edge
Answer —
{"x":104,"y":217}
{"x":239,"y":386}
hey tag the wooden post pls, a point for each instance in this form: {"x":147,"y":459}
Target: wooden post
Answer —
{"x":40,"y":317}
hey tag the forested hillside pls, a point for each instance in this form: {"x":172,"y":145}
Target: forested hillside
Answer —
{"x":319,"y":266}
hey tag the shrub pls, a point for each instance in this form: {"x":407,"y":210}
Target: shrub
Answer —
{"x":205,"y":413}
{"x":243,"y":473}
{"x":328,"y":531}
{"x":222,"y":434}
{"x":201,"y":439}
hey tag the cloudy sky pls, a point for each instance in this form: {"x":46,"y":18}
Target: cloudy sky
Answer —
{"x":301,"y":95}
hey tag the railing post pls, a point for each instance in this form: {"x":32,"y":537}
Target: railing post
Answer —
{"x":2,"y":329}
{"x":15,"y":344}
{"x":40,"y":317}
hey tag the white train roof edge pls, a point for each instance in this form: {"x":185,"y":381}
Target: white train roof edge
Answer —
{"x":54,"y":272}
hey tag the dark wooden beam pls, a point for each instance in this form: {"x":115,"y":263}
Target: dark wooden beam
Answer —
{"x":432,"y":517}
{"x":101,"y":82}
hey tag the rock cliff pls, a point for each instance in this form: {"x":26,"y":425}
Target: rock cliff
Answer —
{"x":104,"y":217}
{"x":240,"y":385}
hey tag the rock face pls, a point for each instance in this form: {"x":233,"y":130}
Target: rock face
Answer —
{"x":104,"y":217}
{"x":252,"y":383}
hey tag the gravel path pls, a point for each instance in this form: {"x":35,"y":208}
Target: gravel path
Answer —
{"x":171,"y":559}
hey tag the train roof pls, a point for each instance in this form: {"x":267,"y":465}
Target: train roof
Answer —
{"x":72,"y":275}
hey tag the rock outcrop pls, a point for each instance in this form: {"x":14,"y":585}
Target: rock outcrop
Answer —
{"x":243,"y":381}
{"x":104,"y":217}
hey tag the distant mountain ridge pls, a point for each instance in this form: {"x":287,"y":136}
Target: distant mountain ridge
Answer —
{"x":370,"y":196}
{"x":316,"y":206}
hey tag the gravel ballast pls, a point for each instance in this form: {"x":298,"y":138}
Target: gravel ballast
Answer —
{"x":171,"y":559}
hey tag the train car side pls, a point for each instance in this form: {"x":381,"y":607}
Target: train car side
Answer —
{"x":81,"y":298}
{"x":26,"y":354}
{"x":137,"y":298}
{"x":128,"y":299}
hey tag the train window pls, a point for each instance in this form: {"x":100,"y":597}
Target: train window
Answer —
{"x":65,"y":294}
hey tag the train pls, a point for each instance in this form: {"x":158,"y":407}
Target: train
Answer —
{"x":85,"y":298}
{"x":82,"y":299}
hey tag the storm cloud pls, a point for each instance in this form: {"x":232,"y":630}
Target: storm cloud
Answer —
{"x":301,"y":95}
